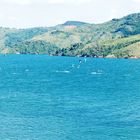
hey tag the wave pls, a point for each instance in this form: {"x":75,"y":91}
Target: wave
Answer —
{"x":65,"y":71}
{"x":96,"y":73}
{"x":26,"y":70}
{"x":14,"y":73}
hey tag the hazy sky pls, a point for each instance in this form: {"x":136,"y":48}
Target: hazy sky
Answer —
{"x":31,"y":13}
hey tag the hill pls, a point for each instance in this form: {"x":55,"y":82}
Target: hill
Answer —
{"x":115,"y":38}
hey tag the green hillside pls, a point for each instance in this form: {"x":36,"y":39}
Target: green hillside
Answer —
{"x":116,"y":38}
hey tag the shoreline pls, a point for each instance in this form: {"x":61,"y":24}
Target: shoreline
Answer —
{"x":100,"y":57}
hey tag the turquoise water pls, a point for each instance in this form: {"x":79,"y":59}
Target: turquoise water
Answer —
{"x":61,"y":98}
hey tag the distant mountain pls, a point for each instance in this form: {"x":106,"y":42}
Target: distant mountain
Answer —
{"x":74,"y":23}
{"x":115,"y":38}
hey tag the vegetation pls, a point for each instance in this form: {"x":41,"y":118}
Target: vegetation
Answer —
{"x":118,"y":38}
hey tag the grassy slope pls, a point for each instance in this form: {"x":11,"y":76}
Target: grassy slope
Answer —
{"x":62,"y":39}
{"x":123,"y":46}
{"x":133,"y":49}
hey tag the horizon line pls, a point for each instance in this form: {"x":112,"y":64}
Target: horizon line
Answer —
{"x":41,"y":26}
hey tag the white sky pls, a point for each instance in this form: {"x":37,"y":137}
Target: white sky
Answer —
{"x":31,"y":13}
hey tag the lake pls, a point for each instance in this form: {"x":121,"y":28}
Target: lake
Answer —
{"x":69,"y":98}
